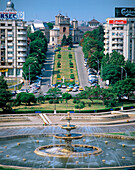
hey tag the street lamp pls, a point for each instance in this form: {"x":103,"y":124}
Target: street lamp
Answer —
{"x":29,"y":71}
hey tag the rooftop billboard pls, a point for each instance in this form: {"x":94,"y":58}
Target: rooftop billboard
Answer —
{"x":125,"y":12}
{"x":7,"y":15}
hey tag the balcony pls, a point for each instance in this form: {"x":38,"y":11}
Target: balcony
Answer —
{"x":22,"y":55}
{"x":22,"y":44}
{"x":10,"y":38}
{"x":106,"y":47}
{"x":106,"y":36}
{"x":2,"y":47}
{"x":117,"y":36}
{"x":117,"y":47}
{"x":106,"y":41}
{"x":117,"y":42}
{"x":21,"y":38}
{"x":22,"y":33}
{"x":10,"y":49}
{"x":21,"y":49}
{"x":21,"y":60}
{"x":10,"y":55}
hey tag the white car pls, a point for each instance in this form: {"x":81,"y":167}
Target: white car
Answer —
{"x":85,"y":64}
{"x":64,"y":86}
{"x":75,"y":89}
{"x":22,"y":90}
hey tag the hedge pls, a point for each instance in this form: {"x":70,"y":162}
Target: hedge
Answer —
{"x":65,"y":111}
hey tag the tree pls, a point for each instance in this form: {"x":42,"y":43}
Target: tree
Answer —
{"x":124,"y":87}
{"x":35,"y":67}
{"x":130,"y":69}
{"x":5,"y":95}
{"x":111,"y":73}
{"x":69,"y":41}
{"x":64,"y":41}
{"x":55,"y":92}
{"x":26,"y":98}
{"x":50,"y":25}
{"x":66,"y":96}
{"x":114,"y":59}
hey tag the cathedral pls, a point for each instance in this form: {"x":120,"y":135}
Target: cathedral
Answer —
{"x":63,"y":26}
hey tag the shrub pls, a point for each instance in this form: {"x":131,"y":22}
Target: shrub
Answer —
{"x":72,"y":76}
{"x":70,"y":55}
{"x":58,"y":76}
{"x":69,"y":48}
{"x":71,"y":70}
{"x":81,"y":106}
{"x":77,"y":101}
{"x":56,"y":101}
{"x":51,"y":101}
{"x":74,"y":101}
{"x":89,"y":104}
{"x":59,"y":55}
{"x":59,"y":48}
{"x":58,"y":64}
{"x":77,"y":106}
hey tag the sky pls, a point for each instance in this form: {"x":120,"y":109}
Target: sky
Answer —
{"x":46,"y":10}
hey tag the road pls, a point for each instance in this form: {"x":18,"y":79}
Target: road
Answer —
{"x":47,"y":74}
{"x":82,"y":71}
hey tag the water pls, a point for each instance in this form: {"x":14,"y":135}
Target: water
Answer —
{"x":13,"y":154}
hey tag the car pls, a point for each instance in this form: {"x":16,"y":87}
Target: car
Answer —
{"x":53,"y":85}
{"x":69,"y":89}
{"x":71,"y":86}
{"x":64,"y":86}
{"x":22,"y":90}
{"x":13,"y":93}
{"x":80,"y":89}
{"x":38,"y":77}
{"x":85,"y":64}
{"x":75,"y":89}
{"x":59,"y":85}
{"x":76,"y":85}
{"x":91,"y":73}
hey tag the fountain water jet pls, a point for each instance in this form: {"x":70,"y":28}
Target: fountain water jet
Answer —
{"x":67,"y":149}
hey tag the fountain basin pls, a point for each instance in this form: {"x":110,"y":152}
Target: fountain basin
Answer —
{"x":66,"y":136}
{"x":59,"y":151}
{"x":70,"y":127}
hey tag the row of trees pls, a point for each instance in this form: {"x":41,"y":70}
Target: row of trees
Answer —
{"x":38,"y":48}
{"x":111,"y":97}
{"x":112,"y":67}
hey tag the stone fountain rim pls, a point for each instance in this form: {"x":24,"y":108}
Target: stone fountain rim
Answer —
{"x":66,"y":155}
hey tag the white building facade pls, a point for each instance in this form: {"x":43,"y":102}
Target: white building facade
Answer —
{"x":120,"y":36}
{"x":13,"y":42}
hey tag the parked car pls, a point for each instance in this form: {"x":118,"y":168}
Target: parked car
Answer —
{"x":85,"y":64}
{"x":13,"y":93}
{"x":69,"y":89}
{"x":76,"y":85}
{"x":80,"y":89}
{"x":59,"y":85}
{"x":75,"y":89}
{"x":64,"y":86}
{"x":22,"y":90}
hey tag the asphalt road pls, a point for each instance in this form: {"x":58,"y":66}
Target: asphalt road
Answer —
{"x":82,"y":71}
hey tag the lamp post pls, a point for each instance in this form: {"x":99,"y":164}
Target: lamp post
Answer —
{"x":29,"y":71}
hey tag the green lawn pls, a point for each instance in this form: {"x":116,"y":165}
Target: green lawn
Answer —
{"x":64,"y":70}
{"x":132,"y":134}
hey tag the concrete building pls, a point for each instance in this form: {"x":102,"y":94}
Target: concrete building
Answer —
{"x":13,"y":42}
{"x":37,"y":25}
{"x":62,"y":26}
{"x":120,"y":36}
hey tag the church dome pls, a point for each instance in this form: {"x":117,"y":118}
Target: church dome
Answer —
{"x":10,"y":6}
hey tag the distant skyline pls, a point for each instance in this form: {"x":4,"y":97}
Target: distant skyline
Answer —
{"x":46,"y":10}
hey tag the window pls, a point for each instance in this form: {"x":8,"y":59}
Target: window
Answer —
{"x":10,"y":71}
{"x":9,"y":25}
{"x":64,"y":29}
{"x":52,"y":38}
{"x":10,"y":58}
{"x":113,"y":33}
{"x":18,"y":72}
{"x":10,"y":52}
{"x":2,"y":24}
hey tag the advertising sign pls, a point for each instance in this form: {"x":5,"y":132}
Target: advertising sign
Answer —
{"x":3,"y":69}
{"x":7,"y":15}
{"x":125,"y":12}
{"x":117,"y":22}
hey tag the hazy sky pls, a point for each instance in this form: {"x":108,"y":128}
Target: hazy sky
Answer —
{"x":46,"y":10}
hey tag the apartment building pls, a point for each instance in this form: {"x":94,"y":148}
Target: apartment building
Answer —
{"x":13,"y":42}
{"x":120,"y":36}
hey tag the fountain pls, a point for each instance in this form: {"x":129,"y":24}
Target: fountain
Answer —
{"x":67,"y":149}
